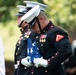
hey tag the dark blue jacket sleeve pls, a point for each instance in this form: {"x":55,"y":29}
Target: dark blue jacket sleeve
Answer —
{"x":64,"y":50}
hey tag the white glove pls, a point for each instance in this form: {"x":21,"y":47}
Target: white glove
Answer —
{"x":40,"y":62}
{"x":25,"y":62}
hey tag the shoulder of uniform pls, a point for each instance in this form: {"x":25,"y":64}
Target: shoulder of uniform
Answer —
{"x":54,"y":28}
{"x":56,"y":32}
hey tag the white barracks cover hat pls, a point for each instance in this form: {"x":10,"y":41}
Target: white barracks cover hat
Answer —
{"x":31,"y":14}
{"x":32,"y":4}
{"x":22,"y":10}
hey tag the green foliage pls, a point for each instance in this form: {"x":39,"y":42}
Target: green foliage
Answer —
{"x":10,"y":35}
{"x":63,"y":13}
{"x":9,"y":3}
{"x":6,"y":6}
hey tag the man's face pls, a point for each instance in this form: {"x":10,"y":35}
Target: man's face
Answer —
{"x":19,"y":22}
{"x":36,"y":28}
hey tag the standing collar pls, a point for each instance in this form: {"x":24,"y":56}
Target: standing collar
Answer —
{"x":48,"y":26}
{"x":24,"y":29}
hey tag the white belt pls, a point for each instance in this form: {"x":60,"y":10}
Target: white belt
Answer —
{"x":15,"y":66}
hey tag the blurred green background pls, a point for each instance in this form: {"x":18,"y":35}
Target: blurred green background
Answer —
{"x":61,"y":12}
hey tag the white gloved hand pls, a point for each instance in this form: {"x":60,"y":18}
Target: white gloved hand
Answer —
{"x":40,"y":62}
{"x":25,"y":62}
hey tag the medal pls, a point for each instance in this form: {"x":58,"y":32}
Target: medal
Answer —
{"x":40,"y":40}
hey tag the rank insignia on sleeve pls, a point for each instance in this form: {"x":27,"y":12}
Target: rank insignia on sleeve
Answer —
{"x":59,"y":37}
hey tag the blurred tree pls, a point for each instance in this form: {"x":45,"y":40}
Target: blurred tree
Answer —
{"x":6,"y":7}
{"x":62,"y":12}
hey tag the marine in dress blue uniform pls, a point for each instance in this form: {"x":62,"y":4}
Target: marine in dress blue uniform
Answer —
{"x":21,"y":47}
{"x":52,"y":41}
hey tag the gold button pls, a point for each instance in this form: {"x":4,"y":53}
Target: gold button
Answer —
{"x":45,"y":71}
{"x":18,"y":48}
{"x":19,"y":42}
{"x":16,"y":53}
{"x":36,"y":42}
{"x":41,"y":44}
{"x":25,"y":67}
{"x":32,"y":72}
{"x":52,"y":56}
{"x":36,"y":36}
{"x":56,"y":54}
